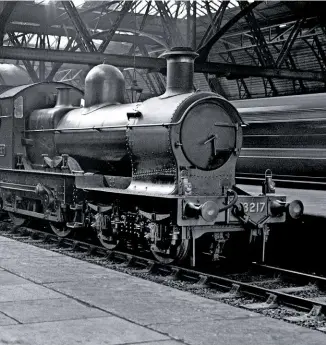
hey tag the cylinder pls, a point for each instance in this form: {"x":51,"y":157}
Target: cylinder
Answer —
{"x":180,"y":70}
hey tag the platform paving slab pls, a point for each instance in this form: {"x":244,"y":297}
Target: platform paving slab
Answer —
{"x":150,"y":302}
{"x":250,"y":331}
{"x":31,"y":311}
{"x":6,"y":239}
{"x":46,"y":269}
{"x":7,"y":278}
{"x":96,"y":331}
{"x":19,"y":250}
{"x":6,"y":320}
{"x":27,"y":291}
{"x":137,"y":311}
{"x":160,"y":342}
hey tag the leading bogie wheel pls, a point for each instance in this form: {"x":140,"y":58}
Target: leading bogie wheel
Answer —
{"x":175,"y":254}
{"x":107,"y":240}
{"x":60,"y":229}
{"x":17,"y":219}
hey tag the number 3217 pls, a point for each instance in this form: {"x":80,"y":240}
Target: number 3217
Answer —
{"x":254,"y":207}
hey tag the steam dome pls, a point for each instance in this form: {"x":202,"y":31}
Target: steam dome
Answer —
{"x":104,"y":84}
{"x":13,"y":75}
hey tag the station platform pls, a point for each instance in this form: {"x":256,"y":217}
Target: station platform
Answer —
{"x":314,"y":201}
{"x":50,"y":299}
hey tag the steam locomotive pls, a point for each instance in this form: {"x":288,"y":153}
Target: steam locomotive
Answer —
{"x":153,"y":176}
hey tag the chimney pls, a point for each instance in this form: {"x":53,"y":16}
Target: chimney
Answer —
{"x":180,"y":70}
{"x":63,"y":97}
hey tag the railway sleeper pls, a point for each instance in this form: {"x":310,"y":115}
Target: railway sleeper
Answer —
{"x":316,"y":313}
{"x":271,"y":303}
{"x":202,"y":282}
{"x":297,"y":289}
{"x":233,"y":293}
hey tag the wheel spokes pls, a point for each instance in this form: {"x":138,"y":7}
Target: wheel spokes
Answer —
{"x":17,"y":219}
{"x":180,"y":253}
{"x":107,"y":241}
{"x":60,"y":229}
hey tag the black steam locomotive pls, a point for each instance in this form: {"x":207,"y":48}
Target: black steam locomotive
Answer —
{"x":155,"y":176}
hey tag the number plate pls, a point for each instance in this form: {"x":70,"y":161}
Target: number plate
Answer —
{"x":255,"y":207}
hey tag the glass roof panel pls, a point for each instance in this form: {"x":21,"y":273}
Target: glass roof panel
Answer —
{"x":177,"y":8}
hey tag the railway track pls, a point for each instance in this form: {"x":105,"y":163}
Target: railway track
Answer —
{"x":289,"y":295}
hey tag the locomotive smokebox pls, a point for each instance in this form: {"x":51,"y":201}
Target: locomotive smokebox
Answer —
{"x":104,"y":84}
{"x":180,"y":70}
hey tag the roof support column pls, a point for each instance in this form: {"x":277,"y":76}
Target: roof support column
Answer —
{"x":42,"y":63}
{"x":29,"y":67}
{"x":240,"y":81}
{"x":82,"y":31}
{"x":194,"y":25}
{"x":57,"y":65}
{"x":124,"y":10}
{"x":215,"y":24}
{"x":289,"y":42}
{"x":175,"y":37}
{"x":263,"y":53}
{"x":188,"y":5}
{"x":8,"y":7}
{"x":141,"y":27}
{"x":204,"y":50}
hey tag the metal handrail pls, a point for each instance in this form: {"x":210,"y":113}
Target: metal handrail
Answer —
{"x":101,"y":128}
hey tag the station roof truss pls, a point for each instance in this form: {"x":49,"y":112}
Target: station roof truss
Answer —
{"x":247,"y":49}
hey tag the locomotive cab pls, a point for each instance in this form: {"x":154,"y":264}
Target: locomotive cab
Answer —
{"x":17,"y":106}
